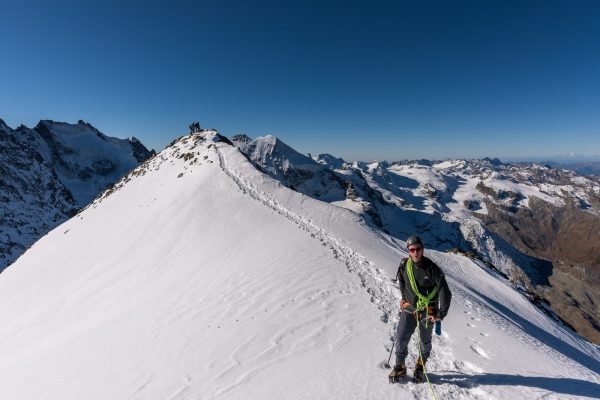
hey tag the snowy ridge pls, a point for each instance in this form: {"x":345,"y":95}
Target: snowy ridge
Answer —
{"x":376,"y":283}
{"x":198,"y":276}
{"x":373,"y":280}
{"x":398,"y":198}
{"x":382,"y":294}
{"x":536,"y":224}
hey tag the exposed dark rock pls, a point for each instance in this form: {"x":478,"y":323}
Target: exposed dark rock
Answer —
{"x":103,"y":167}
{"x":424,"y":162}
{"x":33,"y":198}
{"x":140,"y":152}
{"x":496,"y":162}
{"x":566,"y":237}
{"x":486,"y":190}
{"x":240,"y":138}
{"x":472,"y":205}
{"x":224,"y":139}
{"x":330,"y":161}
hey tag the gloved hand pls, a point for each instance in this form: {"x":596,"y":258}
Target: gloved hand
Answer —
{"x":434,"y":318}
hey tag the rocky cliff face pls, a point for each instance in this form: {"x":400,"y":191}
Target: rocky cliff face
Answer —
{"x":50,"y":172}
{"x":567,"y":236}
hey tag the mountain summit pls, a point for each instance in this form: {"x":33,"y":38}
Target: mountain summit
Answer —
{"x":199,"y":276}
{"x":50,"y":172}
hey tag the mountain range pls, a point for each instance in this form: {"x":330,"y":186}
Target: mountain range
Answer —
{"x":227,"y":269}
{"x":536,"y":224}
{"x":582,"y":164}
{"x":50,"y":172}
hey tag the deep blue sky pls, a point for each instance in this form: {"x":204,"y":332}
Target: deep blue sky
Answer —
{"x":361,"y":80}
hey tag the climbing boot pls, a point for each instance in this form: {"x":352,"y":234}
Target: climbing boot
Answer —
{"x":419,"y":370}
{"x":398,"y":372}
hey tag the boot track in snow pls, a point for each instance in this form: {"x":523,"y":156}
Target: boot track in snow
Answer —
{"x":376,"y":283}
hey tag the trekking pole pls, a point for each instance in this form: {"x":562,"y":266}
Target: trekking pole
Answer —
{"x":409,"y":310}
{"x":387,"y":364}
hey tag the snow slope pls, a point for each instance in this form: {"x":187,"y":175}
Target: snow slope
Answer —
{"x":50,"y":172}
{"x":200,"y":277}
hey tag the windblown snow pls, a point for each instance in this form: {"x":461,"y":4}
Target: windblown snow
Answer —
{"x":199,"y":277}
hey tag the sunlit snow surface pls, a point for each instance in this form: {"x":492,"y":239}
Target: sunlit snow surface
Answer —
{"x":202,"y":278}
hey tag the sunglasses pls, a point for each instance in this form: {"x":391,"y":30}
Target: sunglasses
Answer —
{"x":415,"y":249}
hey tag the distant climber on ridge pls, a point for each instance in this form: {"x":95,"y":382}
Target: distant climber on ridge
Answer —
{"x":195,"y":127}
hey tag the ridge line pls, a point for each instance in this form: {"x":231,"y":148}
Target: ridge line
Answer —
{"x":374,"y":281}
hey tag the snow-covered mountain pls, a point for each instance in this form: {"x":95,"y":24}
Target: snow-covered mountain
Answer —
{"x":291,"y":168}
{"x":197,"y":276}
{"x":536,"y":224}
{"x":50,"y":172}
{"x":316,"y":178}
{"x":583,"y":168}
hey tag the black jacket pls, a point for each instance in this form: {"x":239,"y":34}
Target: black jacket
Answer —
{"x":427,"y":276}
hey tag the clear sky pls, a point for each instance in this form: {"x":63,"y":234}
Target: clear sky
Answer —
{"x":361,"y":80}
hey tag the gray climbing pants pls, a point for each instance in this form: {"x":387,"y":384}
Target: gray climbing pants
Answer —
{"x":406,"y":327}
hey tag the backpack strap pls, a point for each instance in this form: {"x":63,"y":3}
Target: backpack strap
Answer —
{"x":402,"y":263}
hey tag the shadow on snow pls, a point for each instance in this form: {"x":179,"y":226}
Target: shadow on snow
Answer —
{"x":590,"y":361}
{"x":567,"y":386}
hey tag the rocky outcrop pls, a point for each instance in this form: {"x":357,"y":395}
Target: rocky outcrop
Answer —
{"x":567,"y":237}
{"x":140,"y":152}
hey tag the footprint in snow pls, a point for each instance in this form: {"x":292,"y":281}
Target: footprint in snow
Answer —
{"x":480,"y":351}
{"x":467,"y":367}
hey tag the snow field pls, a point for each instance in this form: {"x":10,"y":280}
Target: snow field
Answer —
{"x":473,"y":313}
{"x":201,"y":278}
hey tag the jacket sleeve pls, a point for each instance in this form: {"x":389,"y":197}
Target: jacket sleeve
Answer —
{"x":401,"y":281}
{"x":445,"y":295}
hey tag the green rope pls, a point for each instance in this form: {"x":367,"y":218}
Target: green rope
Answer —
{"x":422,"y":301}
{"x":421,"y":358}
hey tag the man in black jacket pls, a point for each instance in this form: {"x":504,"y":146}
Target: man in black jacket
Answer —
{"x":425,"y":300}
